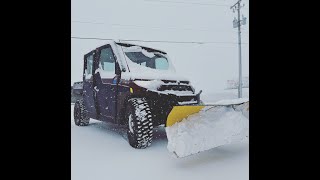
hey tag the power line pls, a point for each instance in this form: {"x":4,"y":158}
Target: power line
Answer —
{"x":75,"y":37}
{"x":149,"y":27}
{"x":157,"y":41}
{"x":155,"y":27}
{"x":182,"y":2}
{"x":190,"y":3}
{"x":86,"y":22}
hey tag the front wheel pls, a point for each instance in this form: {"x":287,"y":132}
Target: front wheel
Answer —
{"x":139,"y":121}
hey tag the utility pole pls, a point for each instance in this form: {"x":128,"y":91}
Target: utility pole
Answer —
{"x":237,"y":24}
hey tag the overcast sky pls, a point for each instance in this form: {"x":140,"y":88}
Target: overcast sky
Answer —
{"x":208,"y":66}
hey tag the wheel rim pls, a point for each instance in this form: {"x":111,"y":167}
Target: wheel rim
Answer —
{"x":131,"y":123}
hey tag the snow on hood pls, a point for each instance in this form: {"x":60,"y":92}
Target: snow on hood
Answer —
{"x":155,"y":84}
{"x":152,"y":85}
{"x":153,"y":76}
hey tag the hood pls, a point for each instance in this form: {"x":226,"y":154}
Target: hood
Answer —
{"x":153,"y":76}
{"x":167,"y":87}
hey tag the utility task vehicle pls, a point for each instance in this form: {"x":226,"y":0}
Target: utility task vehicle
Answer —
{"x":131,"y":85}
{"x":137,"y":86}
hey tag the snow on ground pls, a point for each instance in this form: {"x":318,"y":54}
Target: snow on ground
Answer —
{"x":210,"y":97}
{"x":100,"y":151}
{"x":230,"y":101}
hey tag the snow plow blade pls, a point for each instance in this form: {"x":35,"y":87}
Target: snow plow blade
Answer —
{"x":192,"y":129}
{"x":178,"y":113}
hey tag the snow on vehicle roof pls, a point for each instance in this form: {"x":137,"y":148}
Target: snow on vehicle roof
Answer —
{"x":144,"y":47}
{"x":115,"y":41}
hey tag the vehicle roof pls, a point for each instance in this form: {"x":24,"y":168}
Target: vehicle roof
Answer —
{"x":111,"y":41}
{"x":144,"y":47}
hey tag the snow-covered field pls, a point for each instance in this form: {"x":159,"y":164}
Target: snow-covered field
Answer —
{"x":101,"y":151}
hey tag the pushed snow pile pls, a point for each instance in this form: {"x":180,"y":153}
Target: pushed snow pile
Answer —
{"x":206,"y":130}
{"x":230,"y":101}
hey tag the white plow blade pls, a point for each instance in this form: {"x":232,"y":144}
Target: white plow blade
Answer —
{"x":210,"y":128}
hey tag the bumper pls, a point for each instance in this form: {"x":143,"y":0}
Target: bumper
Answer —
{"x":162,"y":104}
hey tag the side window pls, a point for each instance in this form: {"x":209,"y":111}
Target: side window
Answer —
{"x":107,"y":60}
{"x":88,"y":70}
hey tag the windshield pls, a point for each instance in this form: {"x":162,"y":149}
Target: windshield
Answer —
{"x":154,"y":61}
{"x":147,"y":57}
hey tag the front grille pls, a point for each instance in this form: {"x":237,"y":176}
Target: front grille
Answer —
{"x":176,"y":88}
{"x":186,"y":98}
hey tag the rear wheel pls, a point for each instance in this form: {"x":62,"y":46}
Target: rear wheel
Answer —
{"x":80,"y":114}
{"x":139,"y":121}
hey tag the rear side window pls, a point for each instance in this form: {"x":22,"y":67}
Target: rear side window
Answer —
{"x":107,"y":60}
{"x":88,"y":70}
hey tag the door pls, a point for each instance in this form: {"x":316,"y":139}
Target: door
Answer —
{"x":88,"y":92}
{"x":105,"y":83}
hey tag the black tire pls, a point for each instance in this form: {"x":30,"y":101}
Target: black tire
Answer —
{"x":80,"y":114}
{"x":139,"y":121}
